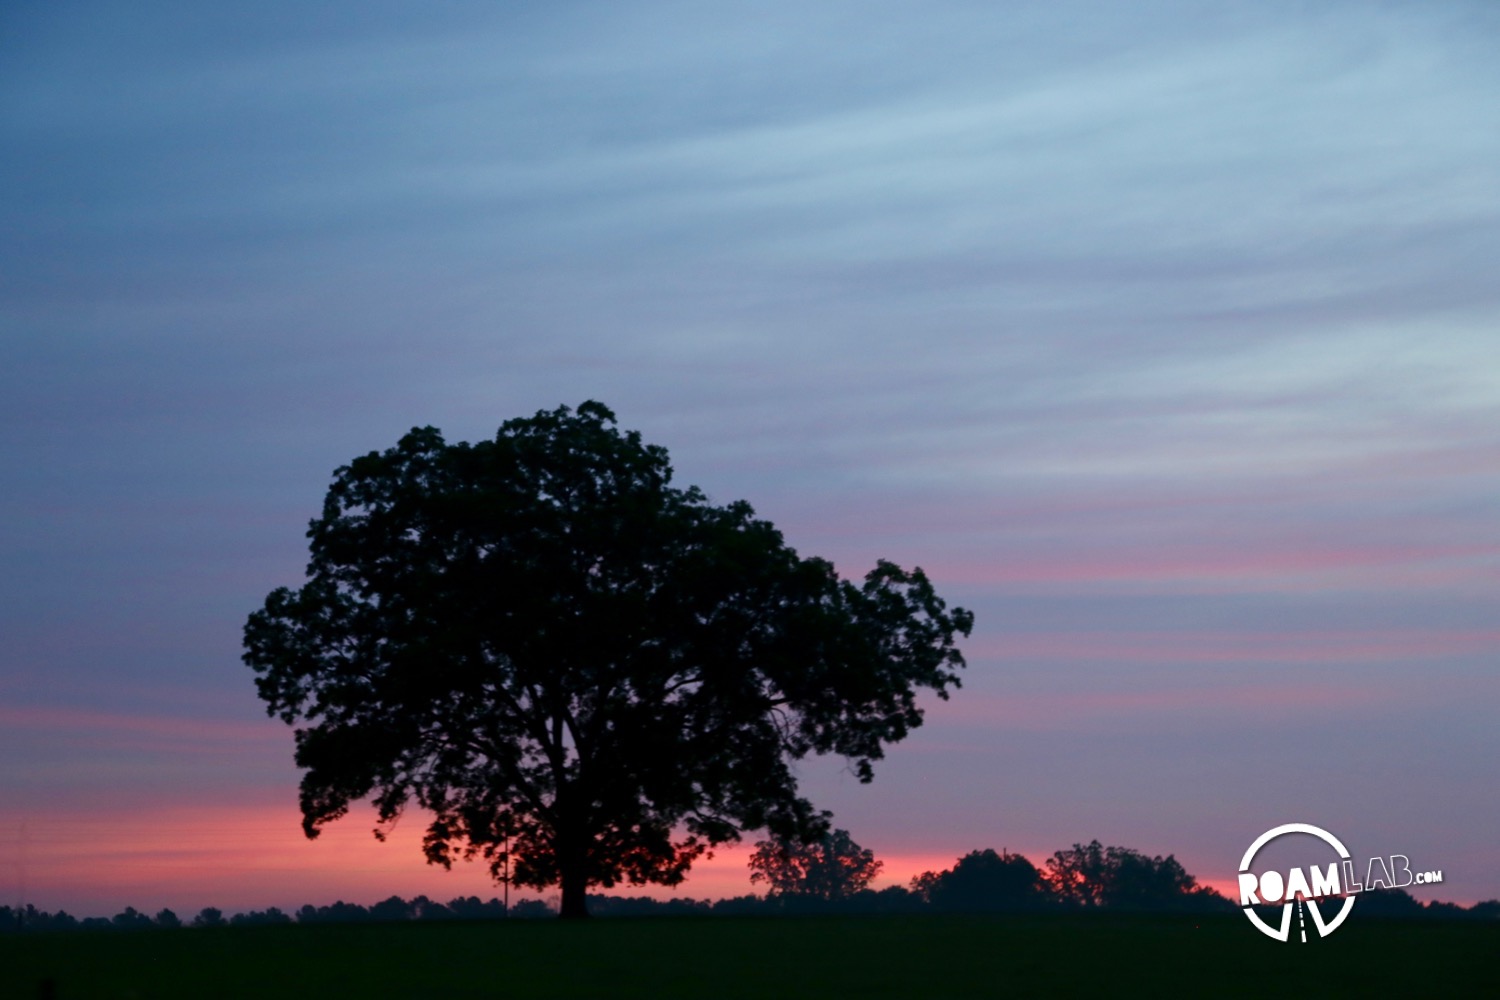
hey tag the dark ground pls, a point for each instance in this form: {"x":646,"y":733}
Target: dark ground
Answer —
{"x":774,"y":957}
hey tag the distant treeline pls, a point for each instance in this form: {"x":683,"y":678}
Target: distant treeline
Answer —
{"x":389,"y":910}
{"x":1083,"y":878}
{"x":1382,"y":903}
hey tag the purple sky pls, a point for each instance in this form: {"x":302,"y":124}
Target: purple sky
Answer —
{"x":1163,"y":335}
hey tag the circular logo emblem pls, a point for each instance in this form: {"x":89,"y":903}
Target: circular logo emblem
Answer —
{"x":1296,"y":890}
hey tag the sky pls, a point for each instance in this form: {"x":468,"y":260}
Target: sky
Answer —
{"x":1163,"y":336}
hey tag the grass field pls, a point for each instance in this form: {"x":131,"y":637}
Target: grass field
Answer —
{"x":709,"y":957}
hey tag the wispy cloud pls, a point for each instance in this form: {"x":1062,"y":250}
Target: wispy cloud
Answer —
{"x":1161,"y":336}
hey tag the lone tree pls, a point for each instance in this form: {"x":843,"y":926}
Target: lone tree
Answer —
{"x":583,"y":673}
{"x":830,"y":868}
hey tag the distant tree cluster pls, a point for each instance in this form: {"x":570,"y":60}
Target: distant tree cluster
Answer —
{"x":832,"y":867}
{"x":1085,"y":876}
{"x":833,"y":873}
{"x":983,"y":880}
{"x":1089,"y":875}
{"x":1094,"y":877}
{"x":828,"y":875}
{"x":836,"y":869}
{"x":394,"y":909}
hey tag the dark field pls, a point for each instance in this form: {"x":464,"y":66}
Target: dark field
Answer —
{"x":707,"y":957}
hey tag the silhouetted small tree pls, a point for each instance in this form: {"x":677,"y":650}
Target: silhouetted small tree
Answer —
{"x":209,"y":917}
{"x":983,"y":881}
{"x":423,"y":908}
{"x":344,"y":913}
{"x":473,"y":908}
{"x":831,"y":867}
{"x":1091,"y":875}
{"x":29,"y":918}
{"x":1077,"y":876}
{"x":256,"y":918}
{"x":392,"y":909}
{"x":130,"y":920}
{"x":167,"y":919}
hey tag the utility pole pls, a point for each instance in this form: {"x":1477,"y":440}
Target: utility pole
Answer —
{"x":505,"y":833}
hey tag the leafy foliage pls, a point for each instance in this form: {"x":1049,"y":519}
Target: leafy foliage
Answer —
{"x":983,"y":881}
{"x":586,"y":675}
{"x":1093,"y":875}
{"x":831,"y":867}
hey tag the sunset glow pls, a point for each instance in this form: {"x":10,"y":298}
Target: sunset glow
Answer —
{"x":1163,"y":337}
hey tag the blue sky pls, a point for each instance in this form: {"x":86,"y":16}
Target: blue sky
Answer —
{"x":1162,"y":335}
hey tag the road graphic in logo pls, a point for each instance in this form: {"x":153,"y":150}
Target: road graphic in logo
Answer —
{"x":1298,"y":890}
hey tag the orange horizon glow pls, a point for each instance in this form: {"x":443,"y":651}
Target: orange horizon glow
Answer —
{"x":239,"y":858}
{"x":92,"y":852}
{"x":251,"y":857}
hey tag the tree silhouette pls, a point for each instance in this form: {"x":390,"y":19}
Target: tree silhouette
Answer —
{"x":585,"y":674}
{"x":1091,"y":875}
{"x":983,"y":880}
{"x":270,"y":915}
{"x":831,"y":867}
{"x":130,"y":919}
{"x":209,"y":916}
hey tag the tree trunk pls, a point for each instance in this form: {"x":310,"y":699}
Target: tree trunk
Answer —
{"x":571,"y":840}
{"x":575,"y":887}
{"x":572,"y":846}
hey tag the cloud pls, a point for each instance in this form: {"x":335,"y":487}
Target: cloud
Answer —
{"x":1162,"y":337}
{"x":100,"y":731}
{"x":1203,"y":646}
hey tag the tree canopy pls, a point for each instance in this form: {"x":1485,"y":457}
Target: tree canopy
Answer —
{"x":584,"y":674}
{"x":830,"y":868}
{"x":1091,"y":875}
{"x":983,"y":880}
